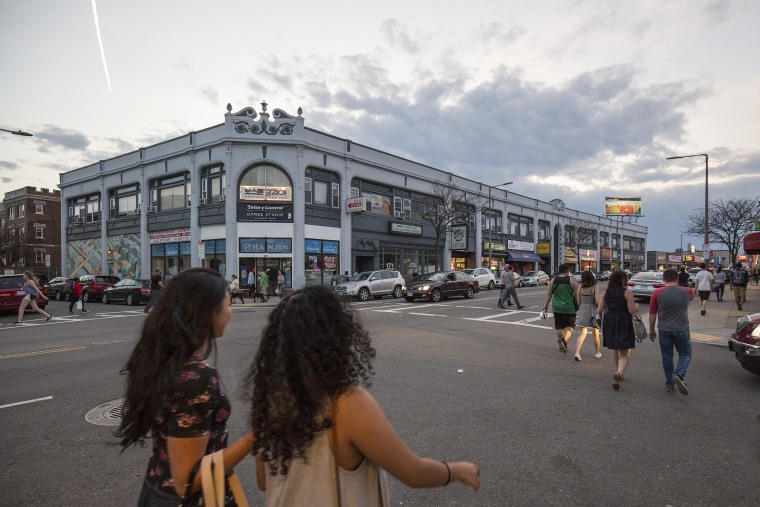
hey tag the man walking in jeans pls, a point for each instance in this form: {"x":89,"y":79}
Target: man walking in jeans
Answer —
{"x":670,"y":304}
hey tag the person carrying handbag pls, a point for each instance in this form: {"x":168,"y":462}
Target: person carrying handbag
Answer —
{"x":74,"y":291}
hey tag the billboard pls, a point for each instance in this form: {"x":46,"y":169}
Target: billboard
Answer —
{"x":622,"y":206}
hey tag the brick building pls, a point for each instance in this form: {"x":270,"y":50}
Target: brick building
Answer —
{"x":30,"y":231}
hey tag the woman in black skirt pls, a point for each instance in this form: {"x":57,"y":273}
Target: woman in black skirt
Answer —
{"x":617,"y":326}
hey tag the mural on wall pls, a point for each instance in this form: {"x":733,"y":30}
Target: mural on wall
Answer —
{"x":125,"y":256}
{"x":84,"y":257}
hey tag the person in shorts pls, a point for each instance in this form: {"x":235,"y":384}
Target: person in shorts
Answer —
{"x":704,"y":283}
{"x":561,"y":294}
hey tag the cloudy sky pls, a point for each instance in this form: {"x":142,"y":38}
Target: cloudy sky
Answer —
{"x":574,"y":99}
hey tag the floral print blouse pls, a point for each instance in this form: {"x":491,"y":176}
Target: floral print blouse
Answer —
{"x":197,"y":407}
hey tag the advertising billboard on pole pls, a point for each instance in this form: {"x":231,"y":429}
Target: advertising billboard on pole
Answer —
{"x":622,"y":206}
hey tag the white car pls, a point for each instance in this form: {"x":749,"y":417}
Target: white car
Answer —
{"x":484,"y":276}
{"x":535,"y":278}
{"x":383,"y":282}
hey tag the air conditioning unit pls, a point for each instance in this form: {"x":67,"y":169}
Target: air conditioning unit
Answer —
{"x":78,"y":220}
{"x":152,"y":209}
{"x":399,"y":214}
{"x":203,"y":201}
{"x":221,"y":197}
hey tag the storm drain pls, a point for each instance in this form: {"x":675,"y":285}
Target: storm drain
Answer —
{"x":107,"y":414}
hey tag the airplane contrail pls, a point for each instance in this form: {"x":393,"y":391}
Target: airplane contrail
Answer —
{"x":100,"y":42}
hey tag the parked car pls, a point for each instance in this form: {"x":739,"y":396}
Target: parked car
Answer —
{"x":484,"y":276}
{"x":56,"y":288}
{"x":94,"y":285}
{"x":693,"y":277}
{"x":745,"y":342}
{"x":440,"y":285}
{"x":383,"y":282}
{"x":132,"y":292}
{"x":534,"y":279}
{"x":643,"y":284}
{"x":578,"y":274}
{"x":12,"y":292}
{"x":602,"y":276}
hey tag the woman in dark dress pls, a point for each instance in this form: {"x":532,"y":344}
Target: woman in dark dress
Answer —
{"x":617,"y":326}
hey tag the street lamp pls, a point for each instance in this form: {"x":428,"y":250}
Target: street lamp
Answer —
{"x":18,"y":132}
{"x":490,"y":216}
{"x":707,"y":236}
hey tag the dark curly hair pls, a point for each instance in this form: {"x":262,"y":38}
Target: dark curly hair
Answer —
{"x":179,"y":324}
{"x":312,"y":349}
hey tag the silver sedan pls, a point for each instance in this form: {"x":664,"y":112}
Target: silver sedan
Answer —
{"x":643,"y":284}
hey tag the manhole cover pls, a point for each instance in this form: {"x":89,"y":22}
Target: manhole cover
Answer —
{"x":107,"y":414}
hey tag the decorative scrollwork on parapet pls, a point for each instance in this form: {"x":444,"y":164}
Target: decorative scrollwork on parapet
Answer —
{"x":246,"y":112}
{"x":284,"y":129}
{"x":279,"y":114}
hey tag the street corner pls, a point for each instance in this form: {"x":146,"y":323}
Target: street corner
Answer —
{"x":709,"y":338}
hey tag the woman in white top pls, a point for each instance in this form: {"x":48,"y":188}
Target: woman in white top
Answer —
{"x":720,"y":283}
{"x":317,"y":430}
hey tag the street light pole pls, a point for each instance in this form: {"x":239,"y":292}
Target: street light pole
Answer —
{"x":18,"y":132}
{"x":490,"y":216}
{"x":707,"y":215}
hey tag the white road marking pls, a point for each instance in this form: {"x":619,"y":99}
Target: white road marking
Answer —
{"x":427,"y":314}
{"x":27,"y":401}
{"x":68,"y":319}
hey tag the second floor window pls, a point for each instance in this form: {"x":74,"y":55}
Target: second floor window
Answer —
{"x":604,"y":239}
{"x":124,"y":201}
{"x":321,"y":188}
{"x":491,"y":220}
{"x":543,"y":230}
{"x":39,"y":208}
{"x":11,"y":213}
{"x":39,"y":232}
{"x":170,"y":193}
{"x":84,"y":209}
{"x":520,"y":226}
{"x":21,"y":210}
{"x":213,"y":184}
{"x":39,"y":257}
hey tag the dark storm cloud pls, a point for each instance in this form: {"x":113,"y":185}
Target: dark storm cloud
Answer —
{"x":57,"y":136}
{"x":396,"y":34}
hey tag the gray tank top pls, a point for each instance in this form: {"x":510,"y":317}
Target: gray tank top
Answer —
{"x":28,"y":289}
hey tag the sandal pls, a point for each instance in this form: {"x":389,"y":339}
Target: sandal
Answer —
{"x":562,"y":345}
{"x":616,"y":383}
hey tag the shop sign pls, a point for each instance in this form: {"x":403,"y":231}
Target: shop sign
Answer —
{"x":543,"y":248}
{"x":741,"y":258}
{"x":313,"y":246}
{"x":459,"y":237}
{"x":494,"y":247}
{"x":263,"y":193}
{"x":201,"y":249}
{"x":674,"y":259}
{"x":588,"y":255}
{"x":354,"y":204}
{"x":330,"y":247}
{"x":279,"y":245}
{"x":605,"y":254}
{"x":253,"y":245}
{"x":402,"y":228}
{"x":247,"y":212}
{"x":689,"y":258}
{"x":171,"y":236}
{"x":570,"y":255}
{"x":525,"y":246}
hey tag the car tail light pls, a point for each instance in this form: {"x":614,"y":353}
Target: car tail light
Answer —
{"x":631,"y":284}
{"x":145,"y":291}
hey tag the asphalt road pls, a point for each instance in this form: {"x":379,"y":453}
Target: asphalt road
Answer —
{"x":459,"y":379}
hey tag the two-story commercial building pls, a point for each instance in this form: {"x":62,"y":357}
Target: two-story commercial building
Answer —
{"x":263,"y":191}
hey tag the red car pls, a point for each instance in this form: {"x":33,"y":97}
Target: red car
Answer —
{"x":745,"y":342}
{"x":94,"y":285}
{"x":11,"y":293}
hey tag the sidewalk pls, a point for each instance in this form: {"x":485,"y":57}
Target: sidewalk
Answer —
{"x":249,"y":302}
{"x":720,"y":322}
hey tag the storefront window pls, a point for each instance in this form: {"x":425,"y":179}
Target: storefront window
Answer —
{"x":215,"y":256}
{"x":172,"y":258}
{"x":321,"y":262}
{"x":390,"y":258}
{"x":458,"y":263}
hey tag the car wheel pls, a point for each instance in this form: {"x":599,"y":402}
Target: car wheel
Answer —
{"x":491,"y":285}
{"x":132,"y":300}
{"x":436,"y":296}
{"x":470,"y":292}
{"x":105,"y":299}
{"x":86,"y":297}
{"x":397,"y":292}
{"x":409,"y":299}
{"x":363,"y":294}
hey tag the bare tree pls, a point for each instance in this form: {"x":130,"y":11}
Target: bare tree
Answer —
{"x":583,"y":235}
{"x":728,"y":221}
{"x":443,"y":209}
{"x":11,"y":249}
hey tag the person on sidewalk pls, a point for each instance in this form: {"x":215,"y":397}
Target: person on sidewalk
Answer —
{"x":264,"y":284}
{"x":704,"y":285}
{"x":670,"y":305}
{"x":235,"y":290}
{"x":720,"y":283}
{"x":31,"y":292}
{"x":156,"y":284}
{"x":617,"y":326}
{"x":683,"y":277}
{"x":739,"y":280}
{"x":281,"y":283}
{"x":561,"y":293}
{"x":251,"y":280}
{"x":587,"y":300}
{"x":508,"y":280}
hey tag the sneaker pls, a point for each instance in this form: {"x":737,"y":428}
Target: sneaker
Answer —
{"x":598,"y":355}
{"x":17,"y":323}
{"x":740,"y":307}
{"x":48,"y":318}
{"x":703,"y":312}
{"x":616,"y":384}
{"x":668,"y":389}
{"x":84,"y":311}
{"x":680,"y":384}
{"x":520,"y":307}
{"x":71,"y":313}
{"x":512,"y":304}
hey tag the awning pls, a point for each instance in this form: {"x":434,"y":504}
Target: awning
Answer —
{"x":523,"y":256}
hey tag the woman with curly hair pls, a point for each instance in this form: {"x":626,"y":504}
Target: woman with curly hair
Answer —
{"x":174,"y":394}
{"x":319,"y":433}
{"x":617,"y":326}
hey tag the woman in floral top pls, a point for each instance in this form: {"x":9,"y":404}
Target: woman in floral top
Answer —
{"x":174,"y":394}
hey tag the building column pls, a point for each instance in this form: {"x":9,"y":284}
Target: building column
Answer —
{"x":232,"y":175}
{"x":299,"y":223}
{"x":346,"y":222}
{"x":479,"y":237}
{"x":195,"y":200}
{"x":144,"y":236}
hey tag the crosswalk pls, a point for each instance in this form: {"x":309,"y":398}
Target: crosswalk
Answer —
{"x":70,"y":319}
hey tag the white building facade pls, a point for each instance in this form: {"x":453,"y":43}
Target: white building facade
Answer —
{"x":262,"y":191}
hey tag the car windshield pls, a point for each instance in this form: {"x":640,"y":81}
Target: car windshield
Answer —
{"x":469,"y":271}
{"x":433,"y":277}
{"x":530,"y":273}
{"x":363,"y":276}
